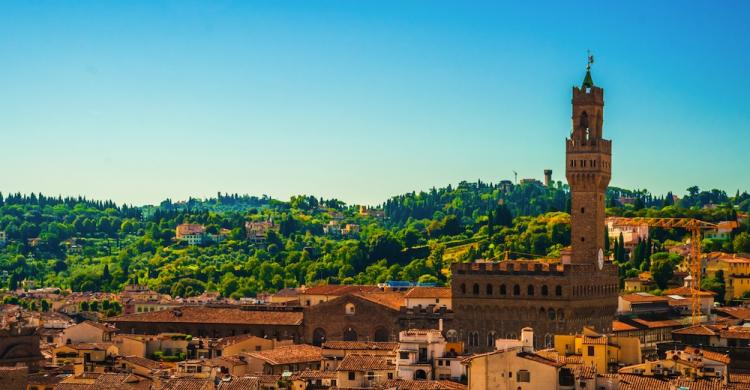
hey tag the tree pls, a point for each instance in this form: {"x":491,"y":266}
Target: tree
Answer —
{"x":741,"y":243}
{"x":715,"y":284}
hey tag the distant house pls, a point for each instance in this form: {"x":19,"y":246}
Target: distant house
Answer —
{"x":723,"y":231}
{"x":87,"y":332}
{"x":370,"y":212}
{"x":630,"y":234}
{"x":3,"y":238}
{"x":287,"y":358}
{"x":427,"y":296}
{"x":193,"y":234}
{"x":257,"y":232}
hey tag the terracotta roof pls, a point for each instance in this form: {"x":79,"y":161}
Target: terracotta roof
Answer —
{"x":594,"y":340}
{"x":584,"y":372}
{"x":696,"y":330}
{"x":716,"y":356}
{"x":187,"y":384}
{"x":243,"y":383}
{"x":540,"y":359}
{"x":404,"y":384}
{"x":117,"y":381}
{"x":338,"y":290}
{"x":619,"y":326}
{"x":314,"y":374}
{"x":231,"y":340}
{"x":99,"y":325}
{"x":741,"y":313}
{"x":653,"y":324}
{"x":736,"y":332}
{"x":393,"y":300}
{"x":45,"y":378}
{"x":143,"y":362}
{"x":552,"y":354}
{"x":214,"y":315}
{"x":688,"y":292}
{"x":429,"y":292}
{"x":289,"y":354}
{"x":188,"y":228}
{"x":642,"y":298}
{"x":356,"y":362}
{"x":361,"y":345}
{"x":287,"y":292}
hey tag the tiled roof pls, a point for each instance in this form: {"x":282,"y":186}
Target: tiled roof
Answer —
{"x":243,"y":383}
{"x":716,"y":356}
{"x":653,"y":324}
{"x":187,"y":384}
{"x":429,"y":292}
{"x":113,"y":381}
{"x":287,"y":292}
{"x":619,"y":326}
{"x":291,"y":354}
{"x":231,"y":340}
{"x":338,"y":290}
{"x":696,"y":330}
{"x":741,"y":313}
{"x":540,"y":359}
{"x":99,"y":325}
{"x":642,"y":298}
{"x":360,"y":345}
{"x":314,"y":374}
{"x":736,"y":332}
{"x":143,"y":362}
{"x":595,"y":340}
{"x":187,"y":228}
{"x":552,"y":354}
{"x":584,"y":372}
{"x":403,"y":384}
{"x":214,"y":315}
{"x":356,"y":362}
{"x":688,"y":292}
{"x":393,"y":300}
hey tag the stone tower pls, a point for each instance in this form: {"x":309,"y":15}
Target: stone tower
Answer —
{"x":588,"y":170}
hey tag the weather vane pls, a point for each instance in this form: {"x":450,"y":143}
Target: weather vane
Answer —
{"x":591,"y":60}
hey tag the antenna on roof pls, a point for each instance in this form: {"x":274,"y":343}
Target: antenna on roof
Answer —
{"x":591,"y":59}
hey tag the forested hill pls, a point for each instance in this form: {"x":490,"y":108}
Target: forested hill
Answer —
{"x":91,"y":245}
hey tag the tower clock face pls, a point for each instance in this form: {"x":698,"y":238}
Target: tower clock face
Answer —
{"x":600,"y":259}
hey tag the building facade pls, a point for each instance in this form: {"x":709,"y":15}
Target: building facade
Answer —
{"x":493,"y":300}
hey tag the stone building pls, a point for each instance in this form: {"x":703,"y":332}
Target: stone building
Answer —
{"x":493,"y":300}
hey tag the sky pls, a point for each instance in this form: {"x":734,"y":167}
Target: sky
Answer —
{"x":138,"y":101}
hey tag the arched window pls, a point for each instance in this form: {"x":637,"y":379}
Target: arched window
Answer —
{"x":516,"y":290}
{"x":551,"y":314}
{"x":381,"y":334}
{"x":475,"y":289}
{"x":319,"y":337}
{"x":530,"y":290}
{"x":451,"y":335}
{"x":463,"y":288}
{"x":584,"y":121}
{"x":474,"y":339}
{"x":558,"y":291}
{"x":350,"y":335}
{"x":545,"y":290}
{"x":350,"y":310}
{"x":502,"y":290}
{"x":489,"y":289}
{"x":547,"y":340}
{"x":560,"y":315}
{"x":491,"y":339}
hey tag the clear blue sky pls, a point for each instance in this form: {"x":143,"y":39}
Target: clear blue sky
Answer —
{"x":137,"y":101}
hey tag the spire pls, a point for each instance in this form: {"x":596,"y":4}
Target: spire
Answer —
{"x":588,"y":82}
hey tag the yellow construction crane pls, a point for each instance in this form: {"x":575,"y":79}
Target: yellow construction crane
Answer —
{"x":694,"y":226}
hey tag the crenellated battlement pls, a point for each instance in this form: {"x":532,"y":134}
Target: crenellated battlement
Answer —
{"x":584,"y":96}
{"x":591,"y":146}
{"x":511,"y":267}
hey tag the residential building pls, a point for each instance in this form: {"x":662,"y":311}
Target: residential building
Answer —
{"x":631,"y":234}
{"x":87,"y":332}
{"x":650,"y":330}
{"x":335,"y":351}
{"x":425,"y":354}
{"x":257,"y":232}
{"x":642,"y":303}
{"x":157,"y":346}
{"x":193,"y":234}
{"x":205,"y":321}
{"x":604,"y":352}
{"x":235,"y":345}
{"x":364,"y":371}
{"x":722,"y":232}
{"x":428,"y":296}
{"x":313,"y":379}
{"x":639,"y":284}
{"x":289,"y":358}
{"x":691,"y":363}
{"x":736,"y":269}
{"x":314,"y":295}
{"x":88,"y":356}
{"x":517,"y":367}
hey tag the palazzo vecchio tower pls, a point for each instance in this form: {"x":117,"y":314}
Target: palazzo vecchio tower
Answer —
{"x":497,"y":299}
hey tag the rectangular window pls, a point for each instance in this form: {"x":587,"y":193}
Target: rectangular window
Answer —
{"x":351,"y":375}
{"x":403,"y":355}
{"x":523,"y":376}
{"x":390,"y":375}
{"x":591,"y":350}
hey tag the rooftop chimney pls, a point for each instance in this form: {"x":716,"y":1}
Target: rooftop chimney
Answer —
{"x":527,"y":338}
